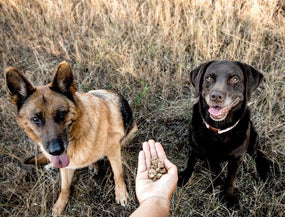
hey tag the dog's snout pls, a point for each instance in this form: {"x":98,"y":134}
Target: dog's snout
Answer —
{"x":217,"y":96}
{"x":55,"y":147}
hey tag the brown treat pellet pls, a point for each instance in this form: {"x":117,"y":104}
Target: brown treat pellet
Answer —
{"x":158,"y":176}
{"x":157,"y":169}
{"x":152,"y":173}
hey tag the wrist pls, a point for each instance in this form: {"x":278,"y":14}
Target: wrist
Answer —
{"x":153,"y":206}
{"x":156,"y":201}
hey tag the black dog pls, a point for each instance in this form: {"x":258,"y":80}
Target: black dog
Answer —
{"x":221,"y":129}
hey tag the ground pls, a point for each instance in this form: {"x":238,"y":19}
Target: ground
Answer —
{"x":145,"y":50}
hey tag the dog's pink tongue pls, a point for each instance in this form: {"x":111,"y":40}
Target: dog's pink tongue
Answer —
{"x":60,"y":161}
{"x":215,"y":111}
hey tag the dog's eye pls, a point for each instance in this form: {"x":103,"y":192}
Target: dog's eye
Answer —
{"x":210,"y":78}
{"x":36,"y":121}
{"x":234,"y":80}
{"x":60,"y":115}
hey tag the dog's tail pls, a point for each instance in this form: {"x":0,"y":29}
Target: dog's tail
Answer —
{"x":39,"y":159}
{"x":131,"y":134}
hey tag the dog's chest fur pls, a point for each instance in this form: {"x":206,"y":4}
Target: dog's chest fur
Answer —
{"x":219,"y":147}
{"x":99,"y":135}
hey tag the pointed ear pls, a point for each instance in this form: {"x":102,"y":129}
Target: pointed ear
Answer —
{"x":196,"y":76}
{"x":20,"y":88}
{"x":63,"y":81}
{"x":253,"y":78}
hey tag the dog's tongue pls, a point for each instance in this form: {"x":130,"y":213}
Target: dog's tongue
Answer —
{"x":60,"y":161}
{"x":220,"y":112}
{"x":216,"y":111}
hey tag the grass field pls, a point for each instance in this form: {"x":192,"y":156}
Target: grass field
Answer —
{"x":144,"y":49}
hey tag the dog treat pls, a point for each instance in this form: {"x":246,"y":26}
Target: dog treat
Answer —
{"x":157,"y":169}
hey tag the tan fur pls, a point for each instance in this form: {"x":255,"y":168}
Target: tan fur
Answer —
{"x":96,"y":129}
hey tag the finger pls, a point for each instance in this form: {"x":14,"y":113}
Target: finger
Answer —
{"x":170,"y":167}
{"x":152,"y":149}
{"x":147,"y":154}
{"x":141,"y":162}
{"x":160,"y":151}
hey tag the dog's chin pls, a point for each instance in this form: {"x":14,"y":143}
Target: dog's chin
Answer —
{"x":219,"y":113}
{"x":214,"y":118}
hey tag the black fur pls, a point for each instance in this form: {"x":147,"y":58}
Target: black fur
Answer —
{"x":127,"y":114}
{"x":229,"y":146}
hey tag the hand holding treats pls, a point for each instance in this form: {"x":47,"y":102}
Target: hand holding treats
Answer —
{"x":154,"y":194}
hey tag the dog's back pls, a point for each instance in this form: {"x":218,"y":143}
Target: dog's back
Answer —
{"x":120,"y":109}
{"x":119,"y":101}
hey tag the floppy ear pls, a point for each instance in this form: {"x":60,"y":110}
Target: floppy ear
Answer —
{"x":253,"y":78}
{"x":20,"y":88}
{"x":196,"y":75}
{"x":63,"y":81}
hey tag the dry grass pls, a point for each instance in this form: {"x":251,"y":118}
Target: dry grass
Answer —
{"x":145,"y":50}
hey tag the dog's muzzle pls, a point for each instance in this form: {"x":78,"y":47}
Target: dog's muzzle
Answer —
{"x":219,"y":113}
{"x":57,"y":150}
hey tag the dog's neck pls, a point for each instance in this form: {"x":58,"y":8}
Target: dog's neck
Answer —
{"x":217,"y":130}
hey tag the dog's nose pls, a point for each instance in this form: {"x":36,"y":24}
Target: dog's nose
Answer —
{"x":55,"y":147}
{"x":217,"y":96}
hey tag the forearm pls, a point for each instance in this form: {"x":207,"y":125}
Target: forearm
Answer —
{"x":154,"y":207}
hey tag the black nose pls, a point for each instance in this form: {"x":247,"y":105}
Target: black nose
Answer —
{"x":55,"y":147}
{"x":217,"y":96}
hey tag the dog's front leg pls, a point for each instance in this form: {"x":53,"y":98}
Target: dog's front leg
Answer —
{"x":121,"y":193}
{"x":66,"y":177}
{"x":233,"y":167}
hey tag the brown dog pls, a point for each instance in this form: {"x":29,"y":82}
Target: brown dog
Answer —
{"x":73,"y":129}
{"x":221,"y":129}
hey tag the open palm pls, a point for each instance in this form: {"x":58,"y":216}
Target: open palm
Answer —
{"x":163,"y":187}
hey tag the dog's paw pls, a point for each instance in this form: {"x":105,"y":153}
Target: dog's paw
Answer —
{"x":122,"y":197}
{"x":49,"y":167}
{"x":57,"y":209}
{"x":231,"y":200}
{"x":60,"y":204}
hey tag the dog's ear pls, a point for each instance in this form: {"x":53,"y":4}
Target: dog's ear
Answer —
{"x":253,"y":78}
{"x":20,"y":88}
{"x":63,"y":81}
{"x":196,"y":76}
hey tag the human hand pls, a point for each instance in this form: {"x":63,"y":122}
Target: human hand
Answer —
{"x":161,"y":188}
